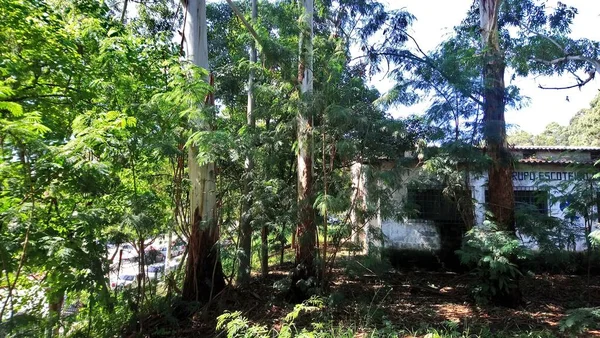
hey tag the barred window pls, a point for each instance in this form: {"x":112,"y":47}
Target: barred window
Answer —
{"x":529,"y":197}
{"x":431,"y":204}
{"x":535,"y":198}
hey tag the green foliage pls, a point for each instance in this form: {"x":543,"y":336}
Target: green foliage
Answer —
{"x":79,"y":159}
{"x":595,"y":237}
{"x":550,"y":234}
{"x":492,"y":254}
{"x":579,"y":320}
{"x":237,"y":326}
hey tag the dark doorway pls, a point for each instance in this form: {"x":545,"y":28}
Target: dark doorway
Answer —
{"x":431,"y":204}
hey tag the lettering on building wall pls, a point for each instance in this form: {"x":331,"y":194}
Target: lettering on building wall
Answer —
{"x":546,"y":175}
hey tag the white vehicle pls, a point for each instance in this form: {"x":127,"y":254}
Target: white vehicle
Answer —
{"x":123,"y":281}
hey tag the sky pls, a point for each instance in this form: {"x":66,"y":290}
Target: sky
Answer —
{"x":435,"y":20}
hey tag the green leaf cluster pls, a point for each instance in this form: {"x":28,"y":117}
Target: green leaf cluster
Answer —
{"x":492,"y":254}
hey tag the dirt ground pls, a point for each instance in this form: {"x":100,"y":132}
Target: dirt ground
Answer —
{"x":410,"y":301}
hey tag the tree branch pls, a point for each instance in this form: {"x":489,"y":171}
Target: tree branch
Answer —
{"x":23,"y":98}
{"x":580,"y":83}
{"x":591,"y":76}
{"x":249,"y":27}
{"x":594,"y":63}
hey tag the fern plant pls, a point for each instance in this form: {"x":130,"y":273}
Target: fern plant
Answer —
{"x":579,"y":320}
{"x":237,"y":326}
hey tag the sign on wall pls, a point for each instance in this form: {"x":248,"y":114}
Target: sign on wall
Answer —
{"x":546,"y":175}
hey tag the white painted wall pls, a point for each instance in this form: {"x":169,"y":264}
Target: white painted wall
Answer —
{"x":412,"y":234}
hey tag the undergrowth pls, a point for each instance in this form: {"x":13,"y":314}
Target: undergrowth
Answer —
{"x":234,"y":325}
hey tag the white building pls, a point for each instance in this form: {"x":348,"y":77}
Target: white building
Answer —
{"x":550,"y":180}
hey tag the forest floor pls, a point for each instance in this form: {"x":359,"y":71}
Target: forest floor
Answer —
{"x":411,"y":301}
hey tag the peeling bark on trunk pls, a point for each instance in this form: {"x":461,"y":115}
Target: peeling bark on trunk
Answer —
{"x":306,"y":229}
{"x":243,"y":273}
{"x":500,"y":185}
{"x":204,"y":274}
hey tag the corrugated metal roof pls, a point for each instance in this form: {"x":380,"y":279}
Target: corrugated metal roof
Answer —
{"x":542,"y":161}
{"x":556,"y":148}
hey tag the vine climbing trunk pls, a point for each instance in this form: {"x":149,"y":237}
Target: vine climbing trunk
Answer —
{"x":500,"y":185}
{"x":306,"y":229}
{"x":243,"y":273}
{"x":203,"y":274}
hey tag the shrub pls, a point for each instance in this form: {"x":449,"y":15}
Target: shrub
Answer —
{"x":492,"y":254}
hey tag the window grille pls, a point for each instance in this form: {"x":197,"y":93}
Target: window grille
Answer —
{"x":431,"y":204}
{"x":529,"y":196}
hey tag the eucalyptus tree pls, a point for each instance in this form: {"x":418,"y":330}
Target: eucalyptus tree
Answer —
{"x":306,"y":231}
{"x":204,"y":275}
{"x":501,"y":48}
{"x":500,"y":186}
{"x":243,"y":273}
{"x":269,"y":142}
{"x":277,"y":85}
{"x":532,"y":47}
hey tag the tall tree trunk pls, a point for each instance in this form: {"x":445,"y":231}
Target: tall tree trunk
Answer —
{"x":243,"y":273}
{"x":306,"y":229}
{"x":501,"y":193}
{"x":264,"y":233}
{"x":500,"y":185}
{"x":204,"y":274}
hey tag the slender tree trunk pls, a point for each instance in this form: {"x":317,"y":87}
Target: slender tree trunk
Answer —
{"x":141,"y":272}
{"x":264,"y":251}
{"x":243,"y":273}
{"x":169,"y":250}
{"x":264,"y":232}
{"x":124,"y":13}
{"x":500,"y":185}
{"x":306,"y":229}
{"x":204,"y":274}
{"x":325,"y":217}
{"x":55,"y":304}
